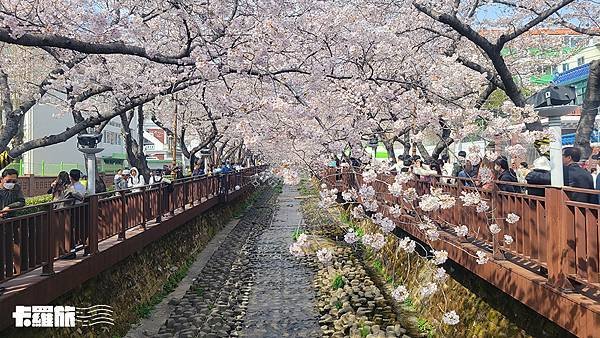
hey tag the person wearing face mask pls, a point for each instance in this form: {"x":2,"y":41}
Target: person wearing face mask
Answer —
{"x":157,"y":177}
{"x":11,"y":195}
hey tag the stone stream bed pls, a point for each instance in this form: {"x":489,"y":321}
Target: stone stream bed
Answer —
{"x":253,"y":287}
{"x":350,"y":303}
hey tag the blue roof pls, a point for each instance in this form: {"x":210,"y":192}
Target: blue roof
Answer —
{"x":569,"y":139}
{"x":572,"y":75}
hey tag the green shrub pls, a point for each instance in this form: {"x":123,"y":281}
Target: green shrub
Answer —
{"x":38,"y":200}
{"x":32,"y":201}
{"x":426,"y":327}
{"x":338,"y":282}
{"x":296,"y":234}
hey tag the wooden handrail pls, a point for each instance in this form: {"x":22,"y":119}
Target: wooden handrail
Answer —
{"x":94,"y":215}
{"x":553,"y":231}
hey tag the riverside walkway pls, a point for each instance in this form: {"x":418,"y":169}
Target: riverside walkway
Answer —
{"x":105,"y":229}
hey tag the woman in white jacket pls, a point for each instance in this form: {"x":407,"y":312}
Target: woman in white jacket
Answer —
{"x":135,"y":179}
{"x":422,"y":170}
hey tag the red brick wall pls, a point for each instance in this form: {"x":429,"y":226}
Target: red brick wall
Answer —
{"x":38,"y":185}
{"x":158,"y":133}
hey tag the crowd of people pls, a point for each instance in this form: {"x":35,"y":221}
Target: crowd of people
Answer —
{"x":71,"y":187}
{"x":474,"y":171}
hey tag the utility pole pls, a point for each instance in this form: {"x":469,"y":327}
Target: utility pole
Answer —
{"x":174,"y":145}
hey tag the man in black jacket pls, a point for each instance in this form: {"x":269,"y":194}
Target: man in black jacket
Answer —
{"x":577,"y":177}
{"x":11,"y":195}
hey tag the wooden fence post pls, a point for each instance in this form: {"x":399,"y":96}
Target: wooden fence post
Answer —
{"x":48,"y":237}
{"x":186,"y":192}
{"x":92,"y":247}
{"x":497,"y":253}
{"x":145,"y":208}
{"x":124,"y":218}
{"x":557,"y":240}
{"x":161,"y":202}
{"x":173,"y":205}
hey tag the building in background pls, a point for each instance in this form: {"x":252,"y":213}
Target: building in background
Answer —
{"x":575,"y":70}
{"x":158,"y":146}
{"x":44,"y":119}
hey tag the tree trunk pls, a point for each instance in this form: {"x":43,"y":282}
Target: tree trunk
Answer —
{"x":423,"y":151}
{"x":389,"y":147}
{"x":591,"y":104}
{"x":135,"y":150}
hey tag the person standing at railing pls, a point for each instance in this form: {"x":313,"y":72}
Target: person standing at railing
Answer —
{"x":177,"y":173}
{"x":468,"y":174}
{"x":75,"y":194}
{"x":135,"y":180}
{"x":422,"y":170}
{"x":121,"y":180}
{"x":157,"y":178}
{"x":459,"y":165}
{"x":75,"y":190}
{"x":506,"y":174}
{"x":59,"y":187}
{"x":117,"y":177}
{"x":198,"y":171}
{"x":485,"y":175}
{"x":11,"y":195}
{"x":577,"y":177}
{"x":540,"y":175}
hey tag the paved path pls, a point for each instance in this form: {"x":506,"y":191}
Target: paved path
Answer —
{"x":250,"y":286}
{"x":151,"y":325}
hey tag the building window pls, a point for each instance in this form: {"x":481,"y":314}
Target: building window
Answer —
{"x":554,"y":69}
{"x":565,"y":67}
{"x":580,"y":61}
{"x":580,"y":95}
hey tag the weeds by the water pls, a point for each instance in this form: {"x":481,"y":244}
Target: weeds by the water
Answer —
{"x":338,"y":282}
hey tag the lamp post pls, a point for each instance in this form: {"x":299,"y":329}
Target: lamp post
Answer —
{"x":87,"y":144}
{"x":553,"y":113}
{"x":205,"y":153}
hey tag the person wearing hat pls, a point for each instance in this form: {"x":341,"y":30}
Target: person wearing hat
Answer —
{"x":540,"y":175}
{"x":135,"y":180}
{"x":121,"y":180}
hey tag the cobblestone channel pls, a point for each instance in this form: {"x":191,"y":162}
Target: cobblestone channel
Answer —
{"x":251,"y":287}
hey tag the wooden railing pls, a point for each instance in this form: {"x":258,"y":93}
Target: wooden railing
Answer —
{"x":45,"y":232}
{"x":555,"y":237}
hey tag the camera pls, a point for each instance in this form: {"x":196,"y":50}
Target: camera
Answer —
{"x":89,"y":140}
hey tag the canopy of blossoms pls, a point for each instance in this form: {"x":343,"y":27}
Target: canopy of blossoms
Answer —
{"x":298,"y":82}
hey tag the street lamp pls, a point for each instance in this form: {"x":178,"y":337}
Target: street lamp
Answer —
{"x":205,"y":153}
{"x":553,"y":113}
{"x":87,"y":144}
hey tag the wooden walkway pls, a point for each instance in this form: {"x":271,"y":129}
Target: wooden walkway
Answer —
{"x":553,"y":263}
{"x":112,"y":240}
